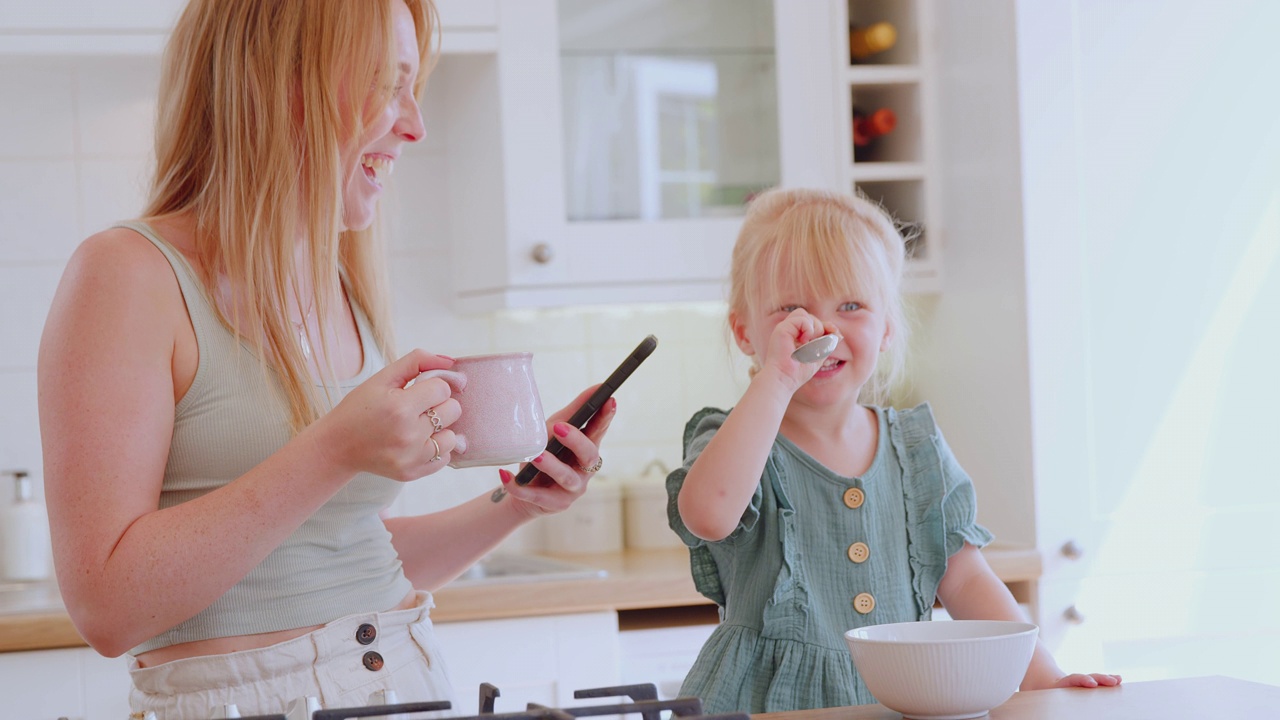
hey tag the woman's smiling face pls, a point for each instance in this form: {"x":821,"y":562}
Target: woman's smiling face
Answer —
{"x":371,"y":157}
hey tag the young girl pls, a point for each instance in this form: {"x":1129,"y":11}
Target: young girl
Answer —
{"x":806,"y":512}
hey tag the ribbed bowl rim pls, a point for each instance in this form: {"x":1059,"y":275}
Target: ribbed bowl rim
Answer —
{"x":1023,"y":628}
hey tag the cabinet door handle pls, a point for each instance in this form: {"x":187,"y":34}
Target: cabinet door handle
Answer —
{"x":542,"y":253}
{"x":1072,"y":615}
{"x":1071,"y":550}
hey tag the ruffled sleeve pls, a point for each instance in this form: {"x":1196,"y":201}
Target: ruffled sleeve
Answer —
{"x":697,"y":434}
{"x":959,"y":503}
{"x":942,"y":509}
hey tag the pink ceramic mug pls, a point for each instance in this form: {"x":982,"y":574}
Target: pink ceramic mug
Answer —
{"x":502,"y":421}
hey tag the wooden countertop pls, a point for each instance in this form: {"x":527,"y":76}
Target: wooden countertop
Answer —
{"x":1181,"y":699}
{"x":636,"y":580}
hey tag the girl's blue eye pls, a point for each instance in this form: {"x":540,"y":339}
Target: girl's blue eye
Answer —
{"x":789,"y":308}
{"x":850,"y":306}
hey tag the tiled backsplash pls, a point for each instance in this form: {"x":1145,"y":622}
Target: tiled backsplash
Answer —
{"x":75,"y":158}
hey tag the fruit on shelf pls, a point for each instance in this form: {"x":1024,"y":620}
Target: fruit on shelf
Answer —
{"x":871,"y":39}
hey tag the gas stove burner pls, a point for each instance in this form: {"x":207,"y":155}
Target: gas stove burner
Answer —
{"x":643,"y":701}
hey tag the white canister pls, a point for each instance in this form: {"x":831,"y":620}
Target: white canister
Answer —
{"x":645,"y":507}
{"x":592,"y":524}
{"x":24,"y":526}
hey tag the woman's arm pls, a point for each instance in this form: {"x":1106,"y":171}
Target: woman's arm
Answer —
{"x":970,"y":590}
{"x":128,"y":570}
{"x":437,"y":547}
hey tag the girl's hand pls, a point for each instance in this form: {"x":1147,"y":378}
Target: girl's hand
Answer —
{"x":382,"y":426}
{"x":795,"y":330}
{"x":558,"y":483}
{"x":1087,"y":680}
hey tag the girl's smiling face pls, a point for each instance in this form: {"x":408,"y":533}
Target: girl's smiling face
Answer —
{"x":370,"y":158}
{"x":863,"y":328}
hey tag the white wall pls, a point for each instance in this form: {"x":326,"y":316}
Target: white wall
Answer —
{"x":1107,"y":331}
{"x":1152,"y":165}
{"x":74,"y":157}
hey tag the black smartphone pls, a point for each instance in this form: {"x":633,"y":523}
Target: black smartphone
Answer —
{"x":593,"y":403}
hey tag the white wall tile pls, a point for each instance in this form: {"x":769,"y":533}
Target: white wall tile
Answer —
{"x":38,"y":211}
{"x":650,"y":402}
{"x":19,"y":422}
{"x":112,"y":190}
{"x":38,"y":112}
{"x":561,"y":375}
{"x":117,"y":100}
{"x":520,"y":330}
{"x":26,"y":292}
{"x":625,"y":326}
{"x":420,"y":311}
{"x":416,"y":204}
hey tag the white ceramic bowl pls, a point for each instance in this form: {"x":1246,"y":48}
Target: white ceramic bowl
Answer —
{"x":943,"y":670}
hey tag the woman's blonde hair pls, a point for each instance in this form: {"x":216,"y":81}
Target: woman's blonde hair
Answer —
{"x":256,"y":99}
{"x":834,"y":244}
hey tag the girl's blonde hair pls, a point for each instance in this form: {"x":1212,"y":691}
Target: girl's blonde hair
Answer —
{"x":256,"y":98}
{"x":831,"y":243}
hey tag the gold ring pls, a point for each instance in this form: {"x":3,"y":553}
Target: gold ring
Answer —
{"x":594,"y":468}
{"x":436,"y":424}
{"x":437,"y":446}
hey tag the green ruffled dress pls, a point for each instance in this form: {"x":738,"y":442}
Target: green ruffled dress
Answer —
{"x":786,"y":578}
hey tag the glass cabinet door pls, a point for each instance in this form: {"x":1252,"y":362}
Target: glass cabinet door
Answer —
{"x":670,"y":107}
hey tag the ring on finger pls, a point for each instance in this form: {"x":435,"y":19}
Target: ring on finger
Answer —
{"x":594,"y":468}
{"x":437,"y":447}
{"x":436,"y":424}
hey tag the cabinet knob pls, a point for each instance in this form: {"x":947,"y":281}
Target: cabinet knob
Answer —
{"x":542,"y":253}
{"x":1072,"y":615}
{"x":1071,"y":550}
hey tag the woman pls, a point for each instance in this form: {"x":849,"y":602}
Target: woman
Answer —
{"x":220,"y":428}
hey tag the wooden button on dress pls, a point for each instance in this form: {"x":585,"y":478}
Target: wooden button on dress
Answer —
{"x":864,"y":603}
{"x":366,"y":633}
{"x":372,"y":661}
{"x":854,"y":497}
{"x":859,"y":552}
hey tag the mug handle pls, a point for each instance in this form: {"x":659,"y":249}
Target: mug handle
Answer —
{"x":458,"y":382}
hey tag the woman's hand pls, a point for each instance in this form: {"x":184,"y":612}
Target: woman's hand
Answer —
{"x":559,"y":483}
{"x":383,"y":426}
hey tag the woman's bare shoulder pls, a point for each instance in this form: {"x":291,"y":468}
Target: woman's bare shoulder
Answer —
{"x":121,"y":262}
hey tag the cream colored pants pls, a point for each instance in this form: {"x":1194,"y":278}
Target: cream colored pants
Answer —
{"x":330,"y":664}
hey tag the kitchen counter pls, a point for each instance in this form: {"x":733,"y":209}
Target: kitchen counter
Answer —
{"x":637,"y":580}
{"x":1181,"y":699}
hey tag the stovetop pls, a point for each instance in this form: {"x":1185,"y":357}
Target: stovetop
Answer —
{"x":627,"y":700}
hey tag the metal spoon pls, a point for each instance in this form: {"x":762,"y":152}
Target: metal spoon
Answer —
{"x":817,"y":349}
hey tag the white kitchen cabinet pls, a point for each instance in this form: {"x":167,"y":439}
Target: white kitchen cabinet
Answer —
{"x":43,"y":685}
{"x":139,"y":27}
{"x":530,"y":230}
{"x":1101,"y":357}
{"x":75,"y":683}
{"x":106,"y":685}
{"x":536,"y":659}
{"x":662,"y":655}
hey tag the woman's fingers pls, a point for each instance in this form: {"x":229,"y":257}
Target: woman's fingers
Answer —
{"x":560,"y":483}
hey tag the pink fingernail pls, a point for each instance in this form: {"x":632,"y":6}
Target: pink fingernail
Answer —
{"x":446,"y":357}
{"x":560,"y":429}
{"x":537,"y":460}
{"x":506,"y":476}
